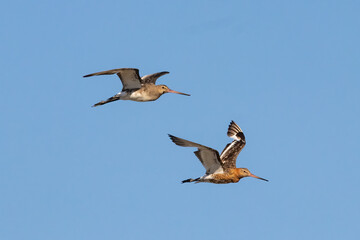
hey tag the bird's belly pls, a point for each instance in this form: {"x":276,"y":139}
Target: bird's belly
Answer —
{"x":137,"y":96}
{"x":221,"y":178}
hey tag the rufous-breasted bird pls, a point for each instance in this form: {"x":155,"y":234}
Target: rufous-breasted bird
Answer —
{"x":220,"y":168}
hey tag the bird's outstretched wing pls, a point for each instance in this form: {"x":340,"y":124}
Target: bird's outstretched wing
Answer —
{"x":151,"y":78}
{"x":231,"y":151}
{"x":129,"y":77}
{"x":208,"y":157}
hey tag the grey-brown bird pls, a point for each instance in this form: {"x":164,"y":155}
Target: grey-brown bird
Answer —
{"x":136,"y":88}
{"x":220,"y":168}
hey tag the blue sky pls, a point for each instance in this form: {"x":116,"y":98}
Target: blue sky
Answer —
{"x":287,"y":72}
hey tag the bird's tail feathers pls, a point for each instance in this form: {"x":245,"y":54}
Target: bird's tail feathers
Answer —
{"x":191,"y":180}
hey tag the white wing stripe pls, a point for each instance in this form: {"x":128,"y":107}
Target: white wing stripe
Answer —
{"x":228,"y":148}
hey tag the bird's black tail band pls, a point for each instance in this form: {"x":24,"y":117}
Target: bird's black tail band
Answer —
{"x":190,"y":180}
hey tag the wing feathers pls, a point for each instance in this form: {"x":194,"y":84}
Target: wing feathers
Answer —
{"x":235,"y":132}
{"x":110,"y":72}
{"x":231,"y":151}
{"x":209,"y":157}
{"x":129,"y":77}
{"x":186,"y":143}
{"x":151,"y":78}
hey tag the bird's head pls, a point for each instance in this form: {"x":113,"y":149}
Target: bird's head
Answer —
{"x":164,"y":89}
{"x":244,"y":172}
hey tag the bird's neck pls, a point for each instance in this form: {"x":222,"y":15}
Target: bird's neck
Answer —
{"x":239,"y":172}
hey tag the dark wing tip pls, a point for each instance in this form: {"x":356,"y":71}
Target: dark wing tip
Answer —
{"x":179,"y":141}
{"x":112,"y":71}
{"x":234,"y":131}
{"x":161,"y":73}
{"x":174,"y":139}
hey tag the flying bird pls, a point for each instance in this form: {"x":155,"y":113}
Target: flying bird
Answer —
{"x":220,"y":168}
{"x":136,"y":88}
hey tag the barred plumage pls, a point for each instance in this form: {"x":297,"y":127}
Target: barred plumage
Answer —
{"x":220,"y":169}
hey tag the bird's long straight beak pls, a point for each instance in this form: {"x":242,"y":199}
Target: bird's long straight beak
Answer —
{"x":172,"y":91}
{"x":254,"y":176}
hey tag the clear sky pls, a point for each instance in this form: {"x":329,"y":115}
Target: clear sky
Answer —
{"x":287,"y":72}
